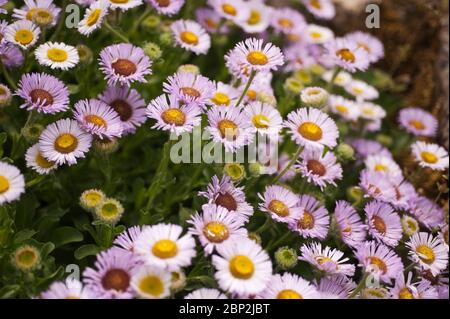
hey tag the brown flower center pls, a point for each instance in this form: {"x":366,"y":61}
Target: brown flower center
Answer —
{"x":122,"y":108}
{"x":316,"y":167}
{"x":42,"y":96}
{"x":124,"y":67}
{"x":226,"y":200}
{"x":117,"y":279}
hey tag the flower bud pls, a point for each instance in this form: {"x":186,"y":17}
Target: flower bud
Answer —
{"x":235,"y":170}
{"x":152,"y":50}
{"x":315,"y":97}
{"x":294,"y":86}
{"x":286,"y":258}
{"x":345,"y":152}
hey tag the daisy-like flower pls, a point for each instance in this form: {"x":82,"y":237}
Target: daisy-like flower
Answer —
{"x":70,"y":289}
{"x":427,"y":212}
{"x":312,"y":128}
{"x":191,"y":36}
{"x":376,"y":185}
{"x":10,"y":55}
{"x":23,"y":33}
{"x":129,"y":104}
{"x":111,"y":277}
{"x":252,"y":54}
{"x":43,"y":92}
{"x":405,"y":192}
{"x":327,"y":260}
{"x":428,"y":252}
{"x":243,"y":267}
{"x":210,"y":20}
{"x":259,"y":18}
{"x":127,"y":239}
{"x":57,"y":55}
{"x":264,"y":118}
{"x":167,"y":7}
{"x":228,"y":126}
{"x":379,"y":260}
{"x":234,"y":10}
{"x":314,"y":221}
{"x":280,"y":203}
{"x":430,"y":155}
{"x":98,"y":118}
{"x":342,"y":79}
{"x":2,"y":3}
{"x":383,"y":164}
{"x":94,"y":16}
{"x":151,"y":283}
{"x":37,"y":162}
{"x":384,"y":223}
{"x":287,"y":21}
{"x":124,"y":63}
{"x":365,"y":148}
{"x":109,"y":211}
{"x":349,"y":224}
{"x":369,"y":43}
{"x":298,"y":58}
{"x":215,"y":227}
{"x":64,"y":141}
{"x":125,"y":5}
{"x":335,"y":287}
{"x":5,"y":95}
{"x":91,"y":198}
{"x":346,"y":109}
{"x":317,"y":34}
{"x":34,"y":9}
{"x":410,"y":225}
{"x":371,"y":111}
{"x":288,"y":286}
{"x":206,"y":293}
{"x":314,"y":96}
{"x":347,"y":54}
{"x":223,"y":193}
{"x":224,"y":95}
{"x":405,"y":289}
{"x":12,"y":183}
{"x":189,"y":87}
{"x":173,"y":117}
{"x":163,"y":246}
{"x":362,"y":91}
{"x":321,"y":9}
{"x":318,"y":168}
{"x":418,"y":122}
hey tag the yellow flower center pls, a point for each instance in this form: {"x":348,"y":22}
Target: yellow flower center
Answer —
{"x":221,"y":99}
{"x":93,"y":17}
{"x":418,"y":125}
{"x":426,"y":254}
{"x":375,"y":261}
{"x":315,"y":35}
{"x":260,"y":121}
{"x":173,"y":116}
{"x":380,"y":168}
{"x":151,"y":285}
{"x":189,"y":38}
{"x":109,"y":211}
{"x":93,"y":198}
{"x":96,"y":120}
{"x":26,"y":257}
{"x":30,"y":14}
{"x":4,"y":184}
{"x":379,"y":224}
{"x":165,"y":248}
{"x":310,"y":131}
{"x":43,"y":162}
{"x":216,"y":232}
{"x":285,"y":23}
{"x":429,"y":157}
{"x":307,"y":221}
{"x":252,"y":95}
{"x":342,"y":109}
{"x":257,"y":58}
{"x":289,"y":294}
{"x":228,"y":129}
{"x":315,"y":4}
{"x":255,"y":17}
{"x":242,"y":267}
{"x":66,"y":143}
{"x":346,"y":55}
{"x":191,"y":92}
{"x":211,"y":23}
{"x":405,"y":293}
{"x":229,"y":9}
{"x":119,"y":1}
{"x":279,"y":208}
{"x":358,"y":91}
{"x":57,"y":55}
{"x":24,"y":36}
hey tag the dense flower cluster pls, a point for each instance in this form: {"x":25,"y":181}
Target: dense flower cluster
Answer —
{"x":338,"y":204}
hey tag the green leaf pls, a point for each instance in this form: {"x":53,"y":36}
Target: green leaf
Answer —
{"x":66,"y":235}
{"x":86,"y":250}
{"x":9,"y":291}
{"x":23,"y":235}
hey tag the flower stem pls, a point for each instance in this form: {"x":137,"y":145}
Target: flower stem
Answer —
{"x":8,"y":77}
{"x":330,"y":85}
{"x":293,"y":160}
{"x":247,"y":86}
{"x":117,"y":33}
{"x":279,"y":241}
{"x":361,"y":286}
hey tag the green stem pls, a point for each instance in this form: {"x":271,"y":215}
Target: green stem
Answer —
{"x":35,"y":181}
{"x":264,"y":226}
{"x":140,"y":20}
{"x":279,"y":241}
{"x":361,"y":286}
{"x":16,"y":144}
{"x":330,"y":85}
{"x":8,"y":77}
{"x":409,"y":267}
{"x":247,"y":86}
{"x":288,"y":167}
{"x":117,"y":33}
{"x":61,"y":22}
